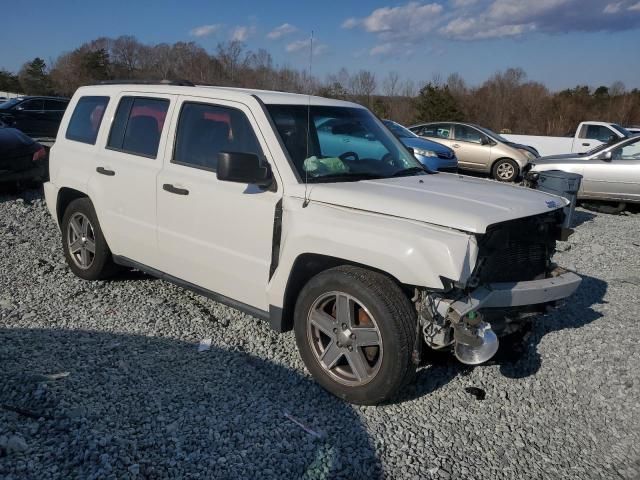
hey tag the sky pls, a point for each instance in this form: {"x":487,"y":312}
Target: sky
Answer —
{"x":561,"y":43}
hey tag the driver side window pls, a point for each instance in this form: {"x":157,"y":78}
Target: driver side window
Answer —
{"x":631,"y":151}
{"x":468,"y":134}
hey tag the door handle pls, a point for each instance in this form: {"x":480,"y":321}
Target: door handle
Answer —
{"x":178,"y":191}
{"x":104,"y":171}
{"x":586,"y":144}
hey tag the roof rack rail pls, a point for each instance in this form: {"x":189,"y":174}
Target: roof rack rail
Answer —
{"x":179,"y":83}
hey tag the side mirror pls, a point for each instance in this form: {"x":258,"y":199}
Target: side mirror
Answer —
{"x":484,"y":141}
{"x":243,"y":168}
{"x":606,"y":156}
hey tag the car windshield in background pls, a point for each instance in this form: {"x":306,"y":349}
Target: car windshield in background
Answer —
{"x":9,"y":103}
{"x":493,"y":134}
{"x":342,"y":144}
{"x":398,"y":130}
{"x":622,"y":130}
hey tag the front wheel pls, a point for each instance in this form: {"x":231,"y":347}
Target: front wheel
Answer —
{"x":355,"y":330}
{"x":505,"y":170}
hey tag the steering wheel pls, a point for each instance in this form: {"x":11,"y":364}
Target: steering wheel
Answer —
{"x":354,"y":156}
{"x":389,"y":160}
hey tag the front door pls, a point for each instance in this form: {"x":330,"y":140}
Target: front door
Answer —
{"x":471,"y":153}
{"x":29,"y":117}
{"x":618,"y":178}
{"x":214,"y":234}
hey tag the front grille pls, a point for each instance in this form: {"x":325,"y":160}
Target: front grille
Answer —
{"x":518,"y":250}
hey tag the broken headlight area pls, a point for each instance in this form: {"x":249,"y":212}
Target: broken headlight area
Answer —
{"x":513,"y":281}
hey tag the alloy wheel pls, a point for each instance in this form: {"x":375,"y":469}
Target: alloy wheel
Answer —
{"x":344,"y":338}
{"x":81,"y":240}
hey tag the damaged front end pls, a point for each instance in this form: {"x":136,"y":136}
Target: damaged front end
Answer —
{"x":513,"y":280}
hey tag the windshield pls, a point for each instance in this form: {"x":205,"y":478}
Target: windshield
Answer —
{"x":398,"y":130}
{"x":493,"y":134}
{"x":622,"y":130}
{"x":344,"y":144}
{"x":9,"y":103}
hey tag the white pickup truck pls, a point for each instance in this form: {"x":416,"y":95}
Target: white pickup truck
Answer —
{"x":242,"y":196}
{"x":588,"y":136}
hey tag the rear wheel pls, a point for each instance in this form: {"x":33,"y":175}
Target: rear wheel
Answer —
{"x":505,"y":170}
{"x":84,"y":245}
{"x":354,"y":329}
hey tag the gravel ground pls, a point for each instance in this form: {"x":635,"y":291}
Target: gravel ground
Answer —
{"x":104,"y":380}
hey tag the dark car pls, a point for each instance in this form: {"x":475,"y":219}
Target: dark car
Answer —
{"x":21,"y":157}
{"x":38,"y":117}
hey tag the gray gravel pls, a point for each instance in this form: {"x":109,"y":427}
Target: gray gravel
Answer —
{"x":104,"y":380}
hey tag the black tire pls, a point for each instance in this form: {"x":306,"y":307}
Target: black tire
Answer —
{"x":508,"y":164}
{"x":101,"y":266}
{"x":395,"y":319}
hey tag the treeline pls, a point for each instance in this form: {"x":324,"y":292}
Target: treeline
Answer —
{"x":507,"y":101}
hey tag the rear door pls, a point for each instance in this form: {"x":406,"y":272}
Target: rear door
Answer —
{"x":123,"y":185}
{"x":617,"y":179}
{"x":471,"y":153}
{"x":217,"y":235}
{"x":53,"y":112}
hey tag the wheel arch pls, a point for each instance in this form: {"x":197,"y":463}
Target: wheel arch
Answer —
{"x":305,"y":267}
{"x":66,"y":195}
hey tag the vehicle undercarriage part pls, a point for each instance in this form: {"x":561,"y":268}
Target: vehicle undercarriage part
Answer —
{"x":472,"y":338}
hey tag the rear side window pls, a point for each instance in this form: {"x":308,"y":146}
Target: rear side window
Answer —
{"x":55,"y":105}
{"x":137,"y":125}
{"x":205,"y":130}
{"x":86,"y":119}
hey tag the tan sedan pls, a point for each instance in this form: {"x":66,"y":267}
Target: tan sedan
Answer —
{"x":609,"y":172}
{"x":479,"y":149}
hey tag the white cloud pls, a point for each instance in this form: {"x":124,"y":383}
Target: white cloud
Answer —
{"x":304,"y":46}
{"x":205,"y":30}
{"x":350,"y":23}
{"x":380,"y":50}
{"x":281,"y":31}
{"x":242,"y":33}
{"x":612,"y":7}
{"x":417,"y":22}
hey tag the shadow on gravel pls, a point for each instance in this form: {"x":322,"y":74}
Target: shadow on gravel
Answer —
{"x":158,"y":408}
{"x":580,"y":217}
{"x":27,"y":191}
{"x":518,"y":355}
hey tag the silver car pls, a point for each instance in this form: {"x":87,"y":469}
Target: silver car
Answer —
{"x":479,"y":149}
{"x":610,"y":172}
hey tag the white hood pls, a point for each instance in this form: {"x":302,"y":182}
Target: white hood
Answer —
{"x":449,"y":200}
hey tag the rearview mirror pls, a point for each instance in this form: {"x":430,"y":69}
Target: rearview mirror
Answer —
{"x":243,"y":168}
{"x":605,"y":156}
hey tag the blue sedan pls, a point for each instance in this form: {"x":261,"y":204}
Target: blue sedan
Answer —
{"x":432,"y":155}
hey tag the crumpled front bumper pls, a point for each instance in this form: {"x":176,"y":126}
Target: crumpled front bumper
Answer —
{"x":561,"y":285}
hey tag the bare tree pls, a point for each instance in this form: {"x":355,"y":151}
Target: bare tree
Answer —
{"x":391,"y":83}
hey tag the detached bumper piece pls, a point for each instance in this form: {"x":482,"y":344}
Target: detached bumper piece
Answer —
{"x":516,"y":294}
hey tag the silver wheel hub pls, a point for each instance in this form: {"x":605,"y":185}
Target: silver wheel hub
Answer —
{"x":505,"y":171}
{"x":344,"y":338}
{"x":81,"y":240}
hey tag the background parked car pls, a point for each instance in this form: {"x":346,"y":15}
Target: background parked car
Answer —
{"x":479,"y":149}
{"x":586,"y":137}
{"x":21,"y":157}
{"x":432,"y":155}
{"x":610,"y":172}
{"x":35,"y":116}
{"x":634,"y":129}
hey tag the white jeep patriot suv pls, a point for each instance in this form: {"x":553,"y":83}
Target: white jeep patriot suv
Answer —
{"x":306,"y":212}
